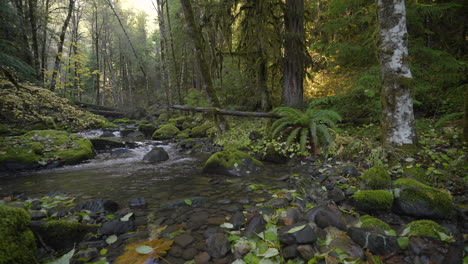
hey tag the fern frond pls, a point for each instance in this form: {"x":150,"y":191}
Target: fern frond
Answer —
{"x":324,"y":134}
{"x":288,"y":111}
{"x":280,"y":127}
{"x":303,"y":139}
{"x":292,"y":136}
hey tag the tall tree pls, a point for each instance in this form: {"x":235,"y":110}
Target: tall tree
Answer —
{"x":58,"y":57}
{"x":397,"y":102}
{"x":294,"y":54}
{"x":195,"y":33}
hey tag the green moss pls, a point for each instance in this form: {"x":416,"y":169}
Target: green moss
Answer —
{"x":376,"y":178}
{"x":200,"y":131}
{"x":439,"y":201}
{"x":417,"y":174}
{"x":183,"y":135}
{"x":61,"y":234}
{"x":405,"y":182}
{"x":17,"y":244}
{"x":178,"y":120}
{"x":424,"y":228}
{"x":147,"y":129}
{"x":373,"y":200}
{"x":375,"y":224}
{"x":228,"y":158}
{"x":165,"y":132}
{"x":188,"y":140}
{"x":163,"y":117}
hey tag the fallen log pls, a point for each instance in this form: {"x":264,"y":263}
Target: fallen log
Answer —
{"x":225,"y":112}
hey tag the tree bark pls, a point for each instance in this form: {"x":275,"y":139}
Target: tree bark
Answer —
{"x":33,"y":23}
{"x":196,"y":35}
{"x":293,"y":71}
{"x":44,"y":42}
{"x":398,"y":123}
{"x":58,"y":57}
{"x":465,"y":119}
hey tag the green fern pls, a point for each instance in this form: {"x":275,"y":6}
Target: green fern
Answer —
{"x":297,"y":127}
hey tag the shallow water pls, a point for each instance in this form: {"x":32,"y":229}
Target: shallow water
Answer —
{"x":122,"y":178}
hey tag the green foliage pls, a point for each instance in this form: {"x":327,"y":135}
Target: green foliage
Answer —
{"x":194,"y":97}
{"x":312,"y":126}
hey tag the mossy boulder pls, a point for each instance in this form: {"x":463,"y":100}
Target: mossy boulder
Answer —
{"x":147,"y":129}
{"x":62,"y":235}
{"x":163,"y":117}
{"x":42,"y":147}
{"x":200,"y":131}
{"x":17,"y":243}
{"x":166,"y":131}
{"x":370,"y":200}
{"x":375,"y":225}
{"x":376,"y":178}
{"x":418,"y":174}
{"x":425,"y":228}
{"x":274,"y":156}
{"x":178,"y":121}
{"x":124,"y":121}
{"x":231,"y":162}
{"x":183,"y":134}
{"x":420,"y":200}
{"x":104,"y":143}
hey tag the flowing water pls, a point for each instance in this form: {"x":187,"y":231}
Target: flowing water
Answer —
{"x":121,"y":175}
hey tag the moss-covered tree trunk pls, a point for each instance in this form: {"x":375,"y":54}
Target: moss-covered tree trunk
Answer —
{"x":196,"y":35}
{"x":465,"y":119}
{"x":293,"y":71}
{"x":397,"y":103}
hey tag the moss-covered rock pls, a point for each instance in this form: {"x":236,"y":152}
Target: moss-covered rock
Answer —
{"x":62,"y":235}
{"x":425,"y":228}
{"x":231,"y":162}
{"x":200,"y":131}
{"x":273,"y":156}
{"x":375,"y":225}
{"x":124,"y":121}
{"x":178,"y":121}
{"x":147,"y":129}
{"x":373,"y":200}
{"x":17,"y":244}
{"x":417,"y":199}
{"x":418,"y":174}
{"x":163,"y":117}
{"x":166,"y":131}
{"x":376,"y":178}
{"x":104,"y":143}
{"x":41,"y":147}
{"x":183,"y":135}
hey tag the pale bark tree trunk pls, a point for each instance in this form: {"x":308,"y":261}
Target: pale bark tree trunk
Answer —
{"x":196,"y":35}
{"x":44,"y":42}
{"x":293,"y":71}
{"x":398,"y":123}
{"x":58,"y":57}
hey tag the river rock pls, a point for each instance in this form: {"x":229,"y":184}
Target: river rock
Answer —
{"x":326,"y":215}
{"x":97,"y":206}
{"x":107,"y":134}
{"x":89,"y":253}
{"x":238,"y":220}
{"x":336,"y":195}
{"x":292,"y":216}
{"x":175,"y":251}
{"x":202,"y":258}
{"x":117,"y":227}
{"x":37,"y":215}
{"x":376,"y":243}
{"x":304,"y":235}
{"x":104,"y":143}
{"x":231,"y":163}
{"x":306,"y":251}
{"x":147,"y":129}
{"x":289,"y":252}
{"x":217,"y":245}
{"x":157,"y":154}
{"x":184,"y":240}
{"x":189,"y":253}
{"x":350,"y":170}
{"x":139,"y":203}
{"x":196,"y":202}
{"x":256,"y":225}
{"x":277,"y":203}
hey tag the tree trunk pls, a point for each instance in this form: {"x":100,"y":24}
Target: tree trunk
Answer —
{"x":97,"y":33}
{"x":293,"y":71}
{"x":166,"y":71}
{"x":398,"y":123}
{"x":44,"y":42}
{"x":35,"y":45}
{"x":465,"y":119}
{"x":58,"y":57}
{"x":196,"y":35}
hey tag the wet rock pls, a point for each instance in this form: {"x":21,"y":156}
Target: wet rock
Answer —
{"x":261,"y":210}
{"x":176,"y":251}
{"x":224,"y":201}
{"x":217,"y":245}
{"x":292,"y":216}
{"x":136,"y":135}
{"x":157,"y":154}
{"x":37,"y":215}
{"x":36,"y":205}
{"x":306,"y":251}
{"x":273,"y":156}
{"x":348,"y":246}
{"x":117,"y":227}
{"x":244,"y":201}
{"x":147,"y":129}
{"x":89,"y":253}
{"x":336,"y":195}
{"x":107,"y":134}
{"x":305,"y":235}
{"x":97,"y":206}
{"x":277,"y":203}
{"x":104,"y":143}
{"x":238,"y":220}
{"x":126,"y":132}
{"x":255,"y":226}
{"x":427,"y":250}
{"x":121,"y":153}
{"x":231,"y":163}
{"x":202,"y":258}
{"x":196,"y":202}
{"x":325,"y":216}
{"x":289,"y":252}
{"x":350,"y":170}
{"x":377,"y":244}
{"x":234,"y":208}
{"x":184,"y":240}
{"x":189,"y":253}
{"x":317,"y":194}
{"x":139,"y":203}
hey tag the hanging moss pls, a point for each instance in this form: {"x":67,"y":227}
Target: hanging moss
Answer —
{"x":373,"y":200}
{"x":17,"y":244}
{"x":376,"y":178}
